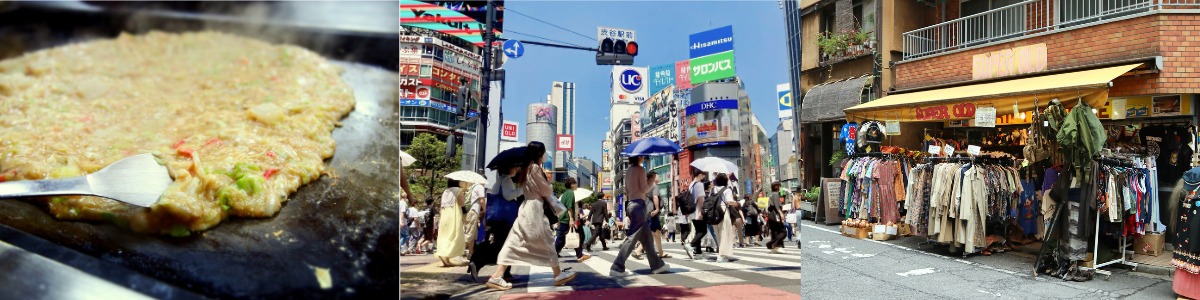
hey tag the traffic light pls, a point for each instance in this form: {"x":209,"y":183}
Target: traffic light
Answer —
{"x":451,"y":145}
{"x":464,"y":95}
{"x":616,"y":52}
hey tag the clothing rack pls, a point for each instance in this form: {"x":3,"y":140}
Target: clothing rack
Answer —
{"x":1125,"y":256}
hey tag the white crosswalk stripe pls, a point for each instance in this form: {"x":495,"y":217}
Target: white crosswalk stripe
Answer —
{"x":599,"y":265}
{"x":786,"y":274}
{"x":541,"y":279}
{"x":680,"y":269}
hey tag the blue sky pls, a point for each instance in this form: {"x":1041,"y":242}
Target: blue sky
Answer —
{"x":662,"y":27}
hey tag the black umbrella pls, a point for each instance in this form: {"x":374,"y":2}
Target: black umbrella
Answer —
{"x":507,"y":158}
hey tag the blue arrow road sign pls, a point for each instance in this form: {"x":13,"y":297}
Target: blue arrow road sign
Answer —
{"x":513,"y":48}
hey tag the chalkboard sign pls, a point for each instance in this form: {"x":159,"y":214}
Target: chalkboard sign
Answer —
{"x":831,"y":192}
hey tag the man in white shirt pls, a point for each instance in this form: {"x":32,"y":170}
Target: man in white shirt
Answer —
{"x":471,"y":229}
{"x":404,"y":235}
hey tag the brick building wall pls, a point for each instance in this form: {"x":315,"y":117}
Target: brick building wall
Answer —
{"x":1175,"y":37}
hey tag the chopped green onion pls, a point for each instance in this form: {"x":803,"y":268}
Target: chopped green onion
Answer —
{"x":179,"y":231}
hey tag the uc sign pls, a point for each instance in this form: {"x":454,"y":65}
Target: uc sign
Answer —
{"x":631,"y":81}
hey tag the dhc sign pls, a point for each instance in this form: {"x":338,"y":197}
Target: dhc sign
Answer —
{"x":711,"y":105}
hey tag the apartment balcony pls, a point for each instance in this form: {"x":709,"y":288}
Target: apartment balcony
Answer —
{"x":1028,"y":18}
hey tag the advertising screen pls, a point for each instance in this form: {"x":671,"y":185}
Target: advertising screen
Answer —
{"x":711,"y":123}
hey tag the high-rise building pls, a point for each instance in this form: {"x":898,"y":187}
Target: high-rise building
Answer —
{"x":562,"y":96}
{"x":793,"y":18}
{"x":541,"y":126}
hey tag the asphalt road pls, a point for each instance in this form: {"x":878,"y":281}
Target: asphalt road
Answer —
{"x":757,"y":275}
{"x":838,"y":267}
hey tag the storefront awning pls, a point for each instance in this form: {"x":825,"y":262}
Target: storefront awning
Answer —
{"x":825,"y":102}
{"x":957,"y":103}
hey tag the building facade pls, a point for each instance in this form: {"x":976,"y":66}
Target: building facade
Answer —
{"x":433,"y":68}
{"x":851,"y":70}
{"x":562,"y":96}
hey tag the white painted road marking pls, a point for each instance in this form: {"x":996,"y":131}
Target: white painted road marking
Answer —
{"x":917,"y":272}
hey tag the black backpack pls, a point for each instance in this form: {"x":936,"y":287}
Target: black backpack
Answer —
{"x":714,"y":212}
{"x":687,"y":203}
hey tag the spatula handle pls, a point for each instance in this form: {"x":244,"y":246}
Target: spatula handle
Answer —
{"x":48,"y":187}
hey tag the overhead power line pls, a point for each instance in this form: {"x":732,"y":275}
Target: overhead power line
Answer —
{"x":548,"y":39}
{"x":506,"y":9}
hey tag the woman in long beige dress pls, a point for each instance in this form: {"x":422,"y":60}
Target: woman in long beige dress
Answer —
{"x":531,"y":241}
{"x":451,"y":241}
{"x":725,"y":231}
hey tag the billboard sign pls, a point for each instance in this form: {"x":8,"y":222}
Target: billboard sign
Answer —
{"x":436,"y":105}
{"x":566,"y":142}
{"x":712,"y":67}
{"x":783,"y":93}
{"x":657,"y":110}
{"x":710,"y":42}
{"x":683,"y":74}
{"x":508,"y":131}
{"x":628,"y":85}
{"x":661,"y":76}
{"x":544,"y":113}
{"x":711,"y":123}
{"x":462,"y":19}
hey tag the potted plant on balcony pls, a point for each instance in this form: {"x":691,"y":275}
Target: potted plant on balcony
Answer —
{"x":847,"y":43}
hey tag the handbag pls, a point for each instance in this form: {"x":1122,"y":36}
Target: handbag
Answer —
{"x":500,"y":210}
{"x":572,"y":241}
{"x":587,"y":232}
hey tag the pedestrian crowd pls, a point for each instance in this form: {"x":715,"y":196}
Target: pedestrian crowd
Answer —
{"x":519,"y":221}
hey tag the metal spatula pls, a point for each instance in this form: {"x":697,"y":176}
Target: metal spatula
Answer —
{"x":137,"y":180}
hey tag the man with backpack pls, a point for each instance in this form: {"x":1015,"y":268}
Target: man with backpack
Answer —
{"x":684,"y":206}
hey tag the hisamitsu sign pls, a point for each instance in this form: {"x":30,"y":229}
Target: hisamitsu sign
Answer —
{"x":710,"y":42}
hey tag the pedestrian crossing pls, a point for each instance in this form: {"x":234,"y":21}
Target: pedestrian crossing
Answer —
{"x":750,"y":265}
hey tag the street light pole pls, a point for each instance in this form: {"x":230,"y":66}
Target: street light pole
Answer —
{"x":485,"y":88}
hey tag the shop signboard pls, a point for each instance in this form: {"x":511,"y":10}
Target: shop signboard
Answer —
{"x":711,"y":123}
{"x":683,"y":74}
{"x":1008,"y":62}
{"x":436,"y":105}
{"x":628,"y":85}
{"x":944,"y":112}
{"x":509,"y":131}
{"x":661,"y":76}
{"x":783,"y":93}
{"x":712,"y":67}
{"x":710,"y":42}
{"x":566,"y":142}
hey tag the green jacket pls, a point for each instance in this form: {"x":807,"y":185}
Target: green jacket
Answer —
{"x":568,"y":200}
{"x":1081,"y":135}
